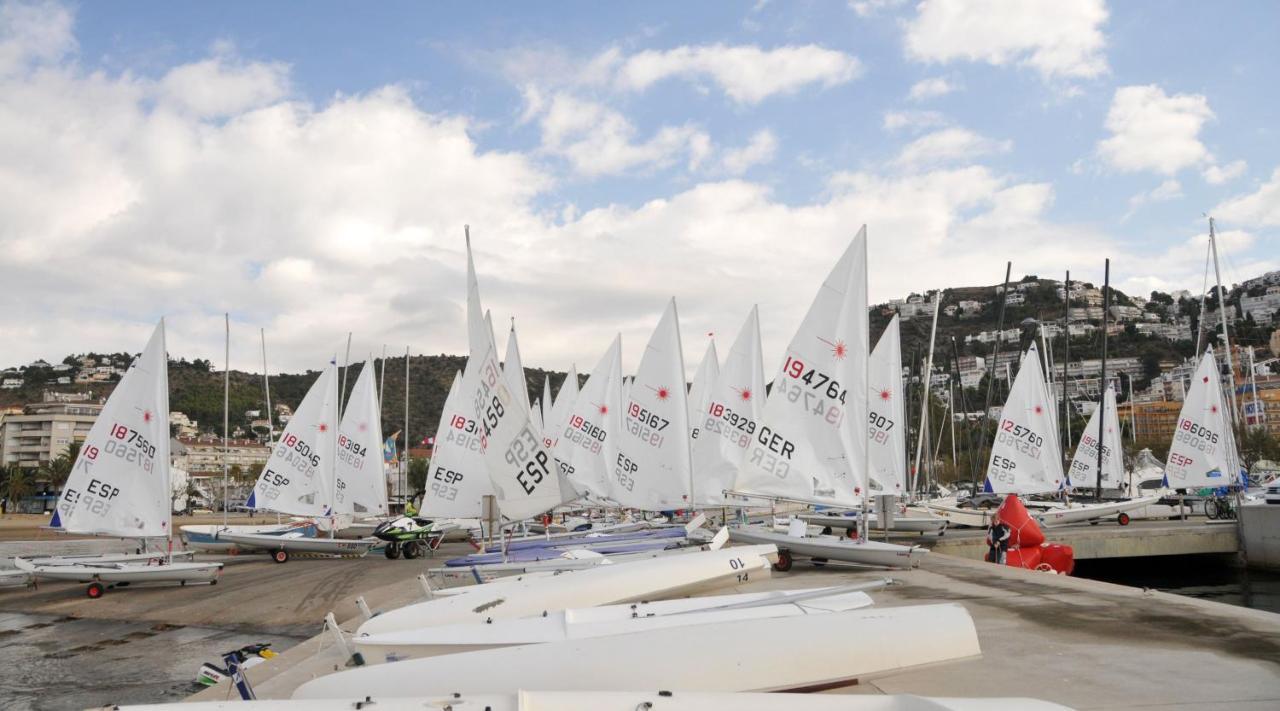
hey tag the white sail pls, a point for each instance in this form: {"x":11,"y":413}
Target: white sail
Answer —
{"x":535,"y":415}
{"x":518,"y":463}
{"x":359,"y":485}
{"x":586,"y":439}
{"x":297,"y":478}
{"x":731,"y":418}
{"x":1084,"y":465}
{"x":456,"y":483}
{"x":886,"y":420}
{"x":1203,"y":451}
{"x":704,"y":380}
{"x":513,"y":371}
{"x":547,"y":401}
{"x":119,"y":485}
{"x":653,"y":466}
{"x":1025,"y":458}
{"x":814,"y":432}
{"x":558,"y":412}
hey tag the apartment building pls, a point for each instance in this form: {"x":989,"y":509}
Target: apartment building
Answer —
{"x":44,"y":431}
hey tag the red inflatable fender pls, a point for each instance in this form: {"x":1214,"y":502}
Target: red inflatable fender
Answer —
{"x":1028,"y":558}
{"x":1059,"y":557}
{"x":1024,"y":532}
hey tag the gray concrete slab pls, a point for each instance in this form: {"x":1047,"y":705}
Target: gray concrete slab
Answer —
{"x":1140,"y":539}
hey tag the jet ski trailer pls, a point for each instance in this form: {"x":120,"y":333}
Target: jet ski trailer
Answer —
{"x":823,"y":548}
{"x":102,"y":575}
{"x":285,"y":545}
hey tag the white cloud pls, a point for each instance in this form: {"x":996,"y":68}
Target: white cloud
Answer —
{"x":915,"y":120}
{"x":1181,"y":265}
{"x":748,"y":74}
{"x":1219,"y":174}
{"x":1058,"y":39}
{"x":760,"y":149}
{"x":1261,"y":208}
{"x":222,"y":86}
{"x":930,"y":88}
{"x":949,"y":145}
{"x":597,"y":140}
{"x":1170,"y":189}
{"x":1151,"y":130}
{"x":868,"y":8}
{"x":33,"y":33}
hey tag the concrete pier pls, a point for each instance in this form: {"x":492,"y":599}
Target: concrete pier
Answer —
{"x":1139,"y":539}
{"x":1261,"y":536}
{"x":1082,"y":643}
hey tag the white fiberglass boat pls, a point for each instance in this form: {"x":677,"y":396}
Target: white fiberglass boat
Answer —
{"x":1076,"y":513}
{"x":839,"y":648}
{"x":204,"y":537}
{"x":623,"y":701}
{"x":98,"y":573}
{"x":926,"y":523}
{"x":284,"y":545}
{"x":603,"y":585}
{"x":823,"y":548}
{"x":584,"y":623}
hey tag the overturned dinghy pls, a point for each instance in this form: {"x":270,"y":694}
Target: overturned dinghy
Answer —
{"x":602,"y":585}
{"x":693,"y":657}
{"x":823,"y":548}
{"x":585,"y":623}
{"x":626,"y":701}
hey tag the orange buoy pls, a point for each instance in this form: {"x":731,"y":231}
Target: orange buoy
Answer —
{"x":1059,"y":557}
{"x":1024,"y":532}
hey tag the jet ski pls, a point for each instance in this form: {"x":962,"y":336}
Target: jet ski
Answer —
{"x":411,"y":535}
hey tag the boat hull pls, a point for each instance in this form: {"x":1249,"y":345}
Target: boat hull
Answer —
{"x":297,"y":544}
{"x":1091,"y":512}
{"x":706,"y":657}
{"x":884,"y":555}
{"x":903,"y":524}
{"x":204,"y":537}
{"x":123,"y":572}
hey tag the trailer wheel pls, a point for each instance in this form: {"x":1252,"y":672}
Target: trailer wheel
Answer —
{"x":1094,"y":522}
{"x":95,"y":591}
{"x":411,"y":549}
{"x":392,"y":550}
{"x":851,"y":532}
{"x":826,"y":530}
{"x":280,"y":556}
{"x":1123,"y":519}
{"x":819,"y":562}
{"x":784,"y":562}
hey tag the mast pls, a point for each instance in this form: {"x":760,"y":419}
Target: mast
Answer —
{"x":1253,"y":390}
{"x":382,"y":378}
{"x":1204,"y":291}
{"x":404,"y":468}
{"x":951,"y":405}
{"x":1102,"y":384}
{"x":995,"y":356}
{"x":1222,"y":310}
{"x":168,"y":463}
{"x":346,"y":367}
{"x":266,"y":387}
{"x":928,"y":374}
{"x":226,"y":419}
{"x":1066,"y":357}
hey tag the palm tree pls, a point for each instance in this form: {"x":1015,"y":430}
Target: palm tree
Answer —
{"x":59,"y":470}
{"x":17,"y":484}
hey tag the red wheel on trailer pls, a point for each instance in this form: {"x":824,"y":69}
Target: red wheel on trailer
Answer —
{"x":784,"y":562}
{"x":95,"y":591}
{"x":280,"y":556}
{"x":1123,"y":519}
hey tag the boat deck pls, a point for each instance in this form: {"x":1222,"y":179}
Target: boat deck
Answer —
{"x":1085,"y":644}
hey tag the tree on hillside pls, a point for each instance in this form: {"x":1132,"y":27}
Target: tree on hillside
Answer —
{"x":58,"y":470}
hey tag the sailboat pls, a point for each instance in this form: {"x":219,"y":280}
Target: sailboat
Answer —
{"x":652,"y":469}
{"x":886,"y":435}
{"x":360,"y":492}
{"x":588,"y":427}
{"x":1203,"y":451}
{"x":813,"y":444}
{"x":704,"y":381}
{"x":456,"y":483}
{"x":300,"y":478}
{"x":119,"y":485}
{"x":729,"y":420}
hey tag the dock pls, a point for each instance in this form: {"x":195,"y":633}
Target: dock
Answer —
{"x":1140,"y":539}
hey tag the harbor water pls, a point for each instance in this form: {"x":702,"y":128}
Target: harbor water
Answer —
{"x":1208,"y":577}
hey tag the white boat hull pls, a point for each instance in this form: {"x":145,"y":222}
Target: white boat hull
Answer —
{"x":124,"y":572}
{"x":585,"y":623}
{"x":603,"y":585}
{"x":885,"y":555}
{"x":1091,"y":512}
{"x":203,"y":537}
{"x":839,"y":647}
{"x":626,"y":701}
{"x":956,"y":516}
{"x":105,"y":558}
{"x":297,"y":544}
{"x":903,"y":524}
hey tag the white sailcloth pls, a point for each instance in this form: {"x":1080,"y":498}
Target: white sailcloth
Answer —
{"x":518,"y":463}
{"x":1084,"y":465}
{"x":297,"y":478}
{"x":513,"y":371}
{"x":558,"y":411}
{"x":1025,"y":458}
{"x":704,"y":380}
{"x":1203,"y":452}
{"x":731,"y":418}
{"x":886,"y":421}
{"x":457,"y":482}
{"x":653,"y":466}
{"x":547,"y":403}
{"x":814,"y":432}
{"x":359,"y":486}
{"x":586,"y":439}
{"x":119,"y":485}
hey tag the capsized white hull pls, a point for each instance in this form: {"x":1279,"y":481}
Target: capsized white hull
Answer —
{"x":1089,"y":512}
{"x":123,"y":572}
{"x":624,"y":701}
{"x":295,"y":543}
{"x":755,"y":655}
{"x":603,"y":585}
{"x":885,"y":555}
{"x":584,"y":623}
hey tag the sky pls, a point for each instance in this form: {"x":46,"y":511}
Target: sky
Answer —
{"x":308,"y":167}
